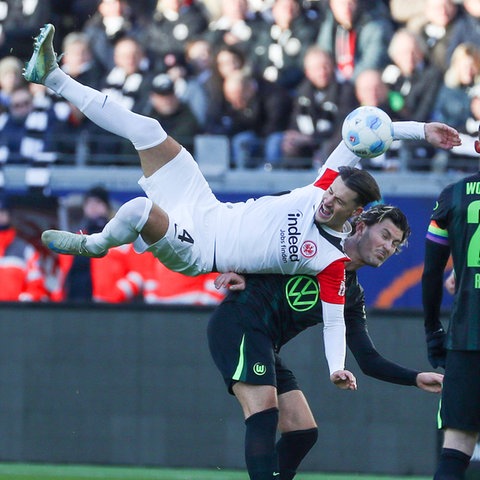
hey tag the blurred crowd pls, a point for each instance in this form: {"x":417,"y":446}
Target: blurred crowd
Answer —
{"x":275,"y":77}
{"x":29,"y":272}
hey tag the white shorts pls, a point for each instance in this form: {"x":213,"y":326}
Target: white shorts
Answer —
{"x":181,"y":190}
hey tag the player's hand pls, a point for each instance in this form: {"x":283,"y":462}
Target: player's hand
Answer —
{"x":441,"y":135}
{"x":430,"y":381}
{"x":449,"y":283}
{"x":436,"y":348}
{"x":231,"y":281}
{"x":344,"y":379}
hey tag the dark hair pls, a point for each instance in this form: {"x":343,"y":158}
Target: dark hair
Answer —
{"x":362,"y":183}
{"x":380,"y":212}
{"x":100,"y":193}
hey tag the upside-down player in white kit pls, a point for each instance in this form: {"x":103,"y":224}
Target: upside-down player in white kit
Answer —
{"x":190,"y":231}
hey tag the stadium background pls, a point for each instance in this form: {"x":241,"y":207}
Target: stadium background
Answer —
{"x":135,"y":386}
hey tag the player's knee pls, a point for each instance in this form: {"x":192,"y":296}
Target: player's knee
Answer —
{"x":146,"y":133}
{"x":135,"y":212}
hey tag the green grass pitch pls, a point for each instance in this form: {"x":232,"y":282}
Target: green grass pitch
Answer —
{"x":13,"y":471}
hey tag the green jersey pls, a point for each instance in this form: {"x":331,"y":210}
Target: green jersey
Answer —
{"x":287,"y":305}
{"x":455,"y":229}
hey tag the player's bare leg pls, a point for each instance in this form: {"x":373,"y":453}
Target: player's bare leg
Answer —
{"x":155,"y":149}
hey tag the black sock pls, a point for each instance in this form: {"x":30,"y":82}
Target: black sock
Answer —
{"x":452,"y":465}
{"x":260,"y":453}
{"x":292,"y":448}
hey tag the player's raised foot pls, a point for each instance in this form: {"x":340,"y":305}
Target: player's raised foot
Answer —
{"x":68,"y":243}
{"x":44,"y":58}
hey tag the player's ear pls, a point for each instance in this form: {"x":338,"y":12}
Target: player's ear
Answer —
{"x":477,"y":146}
{"x":360,"y":227}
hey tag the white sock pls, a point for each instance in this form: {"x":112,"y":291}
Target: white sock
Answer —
{"x":143,"y":132}
{"x":123,"y":228}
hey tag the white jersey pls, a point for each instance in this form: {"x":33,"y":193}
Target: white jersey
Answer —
{"x":272,"y":234}
{"x":275,"y":234}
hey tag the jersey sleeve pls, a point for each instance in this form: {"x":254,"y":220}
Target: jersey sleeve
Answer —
{"x":370,"y":361}
{"x":437,"y":251}
{"x":409,"y":130}
{"x":341,"y":156}
{"x":332,"y":295}
{"x":332,"y":282}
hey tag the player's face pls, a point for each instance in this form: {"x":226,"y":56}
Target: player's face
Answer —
{"x":378,"y":242}
{"x":338,"y":204}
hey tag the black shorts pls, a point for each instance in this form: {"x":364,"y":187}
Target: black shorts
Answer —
{"x":243,"y":350}
{"x":460,"y":407}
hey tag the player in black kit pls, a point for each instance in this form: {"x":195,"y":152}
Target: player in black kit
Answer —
{"x":250,"y":326}
{"x":455,"y":230}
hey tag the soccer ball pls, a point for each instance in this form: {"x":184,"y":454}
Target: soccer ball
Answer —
{"x":367,"y":132}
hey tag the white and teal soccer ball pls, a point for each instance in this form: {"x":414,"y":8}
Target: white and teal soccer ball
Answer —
{"x":367,"y":132}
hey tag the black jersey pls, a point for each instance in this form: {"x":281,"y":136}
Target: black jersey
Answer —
{"x":455,"y":229}
{"x":286,"y":305}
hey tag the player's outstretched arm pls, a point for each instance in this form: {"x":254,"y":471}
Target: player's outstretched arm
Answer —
{"x":438,"y":134}
{"x":344,"y":379}
{"x":430,"y":381}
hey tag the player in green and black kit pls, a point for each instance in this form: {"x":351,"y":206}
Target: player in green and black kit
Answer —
{"x":455,"y":229}
{"x":249,"y":327}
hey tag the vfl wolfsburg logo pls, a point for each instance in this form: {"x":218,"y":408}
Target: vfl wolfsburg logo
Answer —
{"x":259,"y":369}
{"x":302,"y":293}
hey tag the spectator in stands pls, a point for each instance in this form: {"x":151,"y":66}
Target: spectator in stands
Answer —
{"x":174,"y":24}
{"x":128,"y":82}
{"x":227,"y":59}
{"x":165,"y":106}
{"x":112,"y":278}
{"x":281,"y":44}
{"x":189,"y":72}
{"x":407,"y":12}
{"x":253,"y":114}
{"x":20,"y":274}
{"x":235,"y":26}
{"x":371,"y":90}
{"x":199,"y":60}
{"x":19,"y":21}
{"x":357,"y":40}
{"x":213,"y":8}
{"x":71,"y":16}
{"x":162,"y":286}
{"x":114,"y":19}
{"x":78,"y":61}
{"x":453,"y":99}
{"x":435,"y":28}
{"x":413,"y":83}
{"x":467,"y":28}
{"x":75,"y":139}
{"x":10,"y":79}
{"x":458,"y":102}
{"x":25,"y":134}
{"x":319,"y":108}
